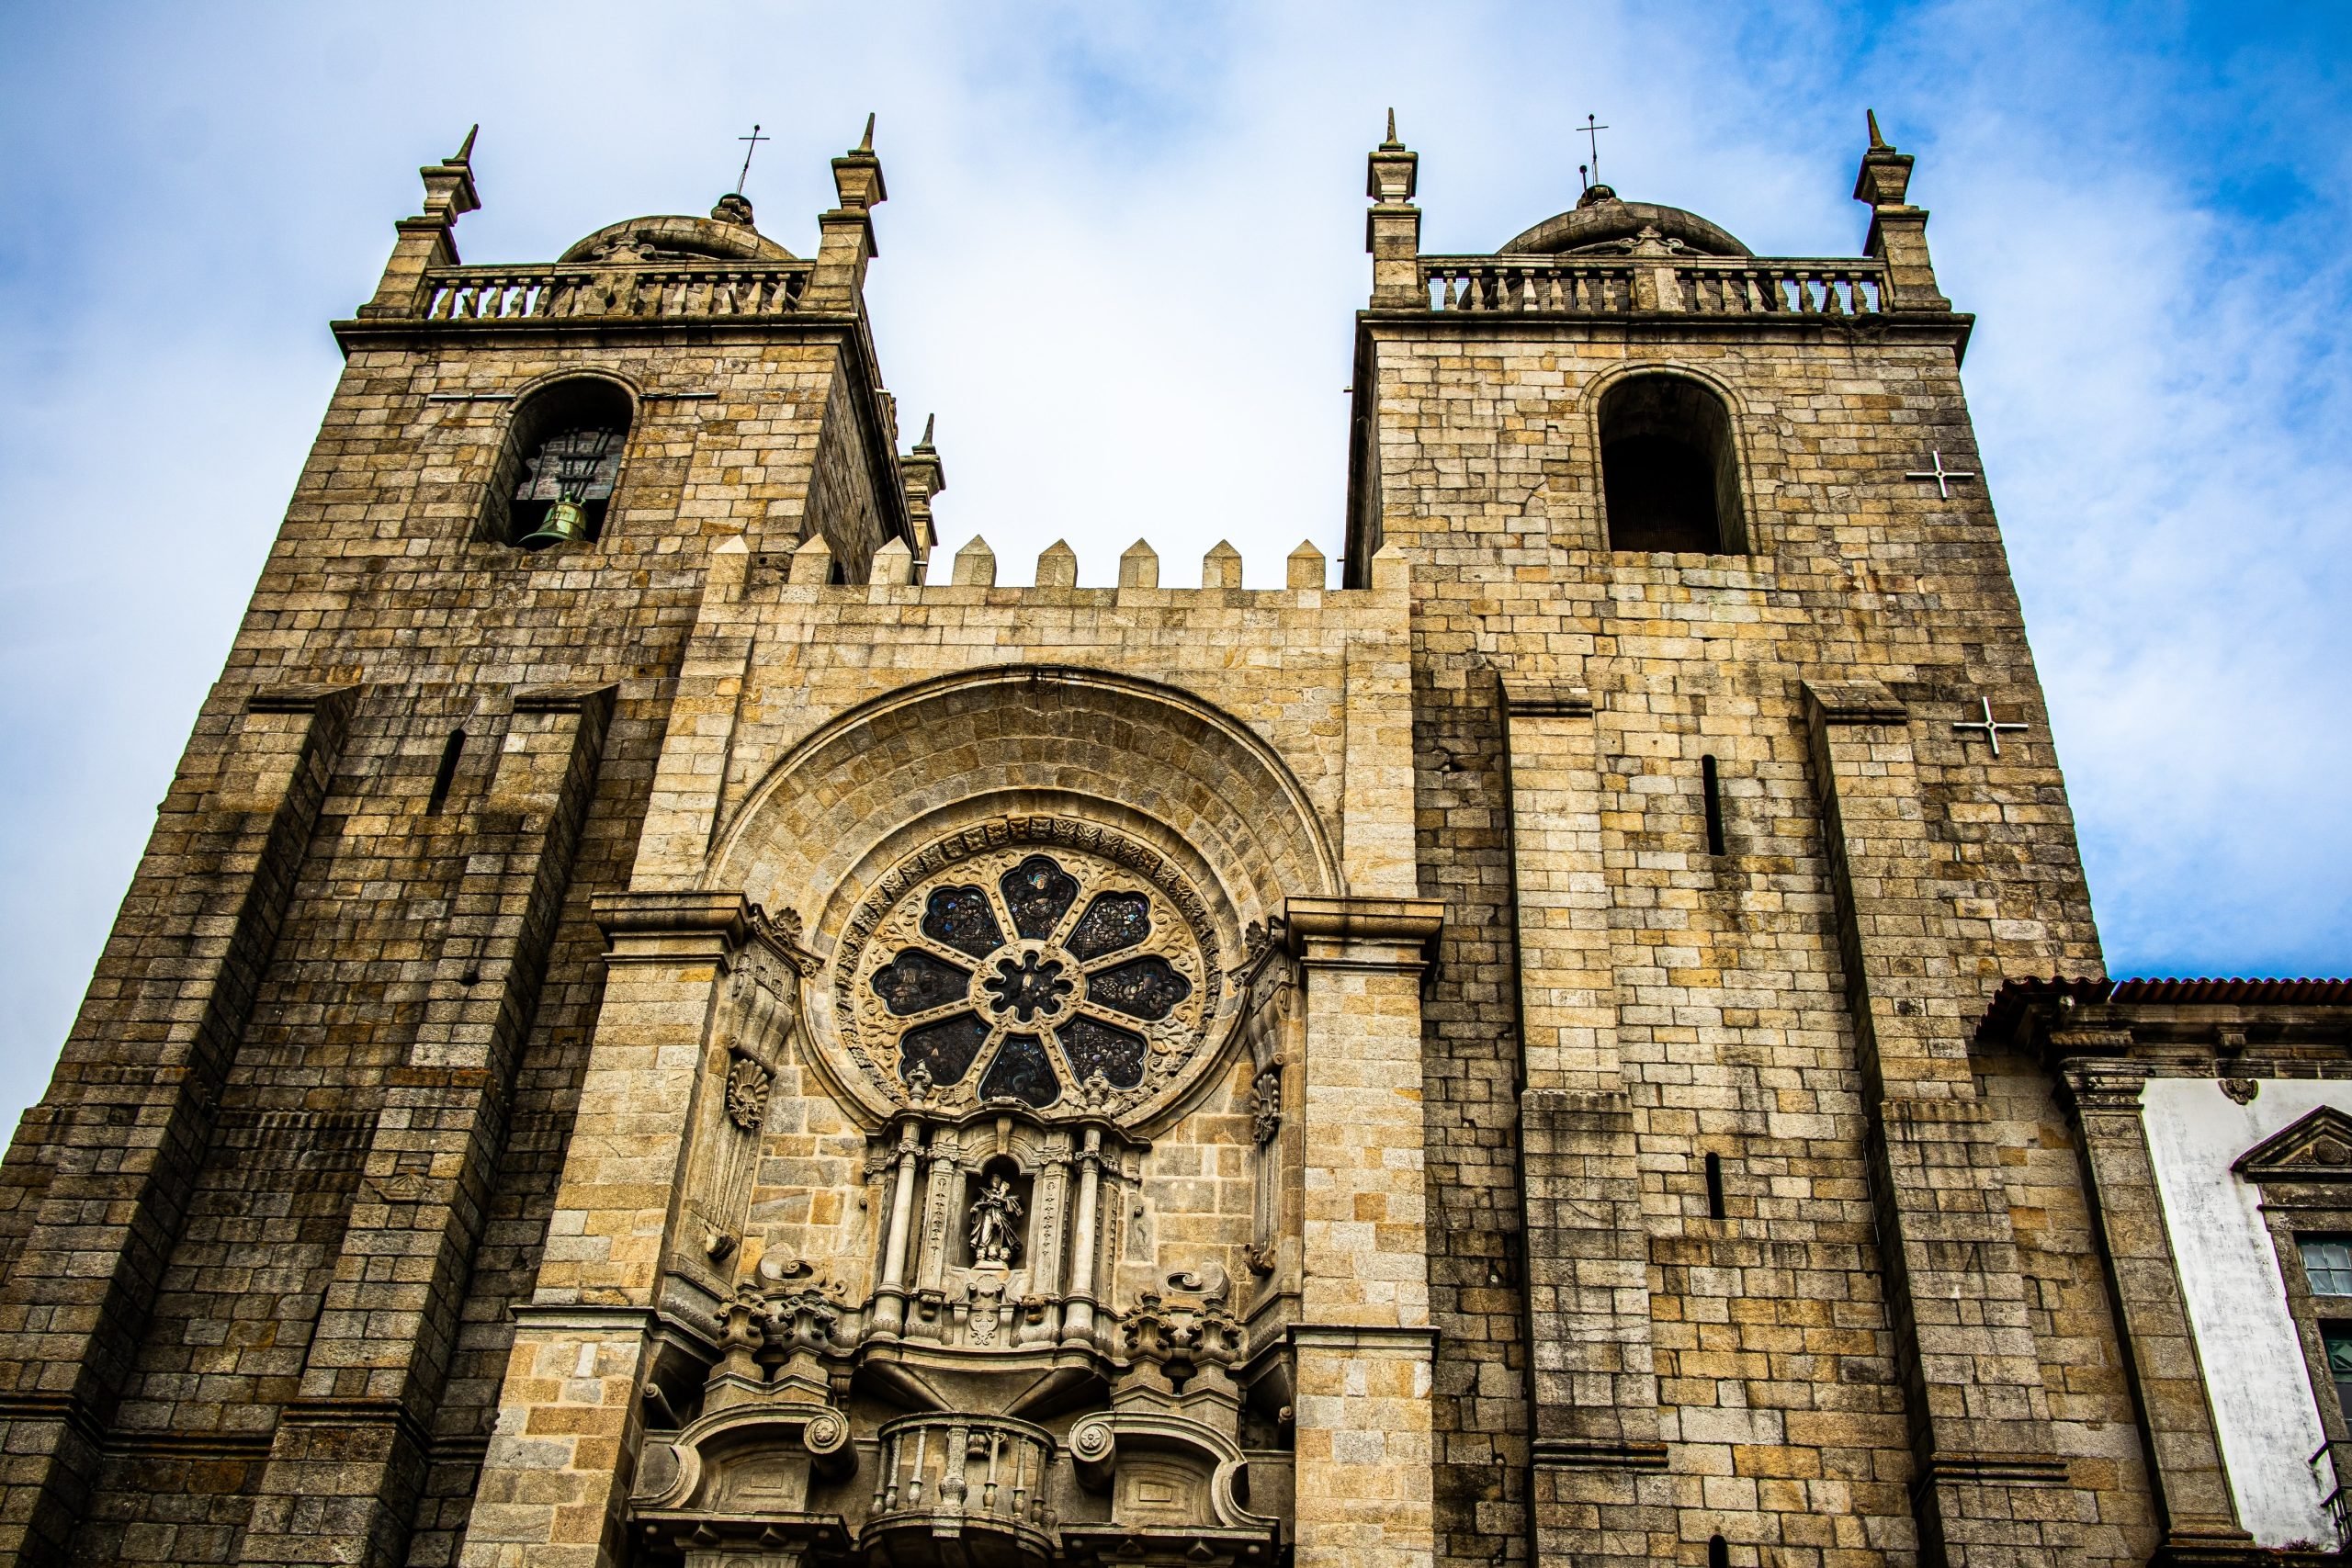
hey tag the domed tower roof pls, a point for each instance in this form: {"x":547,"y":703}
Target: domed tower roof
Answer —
{"x":725,"y":235}
{"x":1600,"y":223}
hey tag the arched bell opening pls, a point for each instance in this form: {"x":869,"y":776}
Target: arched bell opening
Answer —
{"x":560,"y":465}
{"x":1670,"y":468}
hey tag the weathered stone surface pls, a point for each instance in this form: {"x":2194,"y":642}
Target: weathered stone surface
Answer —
{"x":472,"y":1119}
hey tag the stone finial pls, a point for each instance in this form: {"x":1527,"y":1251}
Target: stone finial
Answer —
{"x":1898,"y":235}
{"x":1392,"y":229}
{"x":1391,"y":572}
{"x":975,"y":565}
{"x":857,"y":175}
{"x":1306,"y":567}
{"x":1221,"y":567}
{"x":812,"y":562}
{"x":894,"y":566}
{"x":1393,"y":171}
{"x":845,"y":234}
{"x":1139,"y":567}
{"x":734,"y":208}
{"x":429,"y":239}
{"x":923,"y":476}
{"x":1885,"y":177}
{"x":1057,"y":567}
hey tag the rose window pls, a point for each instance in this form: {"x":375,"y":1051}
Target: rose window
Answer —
{"x":1063,"y":973}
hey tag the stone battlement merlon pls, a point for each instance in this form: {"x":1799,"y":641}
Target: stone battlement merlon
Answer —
{"x":807,"y":571}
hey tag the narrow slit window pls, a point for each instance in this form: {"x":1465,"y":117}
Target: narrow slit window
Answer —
{"x":1718,"y":1553}
{"x":1714,"y":1186}
{"x":1710,"y":780}
{"x":446,"y":774}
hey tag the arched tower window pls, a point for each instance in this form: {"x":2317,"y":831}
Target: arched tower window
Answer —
{"x":561,"y":460}
{"x":1669,"y":472}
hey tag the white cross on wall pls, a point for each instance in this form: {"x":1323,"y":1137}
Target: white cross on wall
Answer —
{"x":1941,"y":475}
{"x":1990,"y":728}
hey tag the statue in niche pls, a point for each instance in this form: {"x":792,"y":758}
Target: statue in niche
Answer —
{"x":995,"y":1231}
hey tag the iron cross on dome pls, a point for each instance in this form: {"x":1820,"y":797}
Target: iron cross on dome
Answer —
{"x":754,"y":138}
{"x":1941,"y":475}
{"x":1592,"y":128}
{"x":1989,"y":727}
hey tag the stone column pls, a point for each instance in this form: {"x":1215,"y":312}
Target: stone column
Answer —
{"x":349,"y":1455}
{"x":570,"y":1414}
{"x":1077,"y":1310}
{"x":1364,"y":1443}
{"x":890,"y":1295}
{"x":2185,"y":1465}
{"x":133,"y":1101}
{"x":1598,"y":1481}
{"x":1989,"y":1487}
{"x":930,"y":1318}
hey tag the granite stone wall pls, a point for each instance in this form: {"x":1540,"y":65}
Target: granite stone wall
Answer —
{"x":1580,"y":1191}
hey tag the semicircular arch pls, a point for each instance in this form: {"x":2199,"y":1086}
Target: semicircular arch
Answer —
{"x":1046,"y":735}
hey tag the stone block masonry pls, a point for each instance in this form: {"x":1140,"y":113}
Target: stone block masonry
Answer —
{"x":736,"y":1039}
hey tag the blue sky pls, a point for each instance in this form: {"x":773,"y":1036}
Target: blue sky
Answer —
{"x":1119,"y":262}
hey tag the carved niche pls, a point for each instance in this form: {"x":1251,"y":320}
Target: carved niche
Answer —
{"x":755,"y":1020}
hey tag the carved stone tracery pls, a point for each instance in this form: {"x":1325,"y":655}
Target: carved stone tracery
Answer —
{"x":1041,"y":962}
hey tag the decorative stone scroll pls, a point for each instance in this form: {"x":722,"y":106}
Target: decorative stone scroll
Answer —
{"x":747,"y":1093}
{"x":1036,"y":962}
{"x":756,"y":1020}
{"x":1266,"y":1106}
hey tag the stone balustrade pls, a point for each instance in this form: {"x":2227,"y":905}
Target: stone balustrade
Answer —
{"x":1617,"y":285}
{"x":942,"y":1472}
{"x":559,"y":292}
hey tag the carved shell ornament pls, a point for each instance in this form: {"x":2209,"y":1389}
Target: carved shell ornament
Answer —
{"x":1044,"y":963}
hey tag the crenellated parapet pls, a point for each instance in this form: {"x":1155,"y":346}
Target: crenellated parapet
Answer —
{"x":1305,"y":572}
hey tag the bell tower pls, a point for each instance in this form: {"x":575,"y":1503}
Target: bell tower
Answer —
{"x":263,"y":1231}
{"x":1735,"y":781}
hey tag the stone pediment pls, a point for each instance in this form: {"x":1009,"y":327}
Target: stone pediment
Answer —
{"x":2316,"y":1148}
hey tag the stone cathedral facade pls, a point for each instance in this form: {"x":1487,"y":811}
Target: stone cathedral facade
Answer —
{"x":667,"y":1021}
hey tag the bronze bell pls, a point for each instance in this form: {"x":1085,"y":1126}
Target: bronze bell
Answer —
{"x":565,"y":524}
